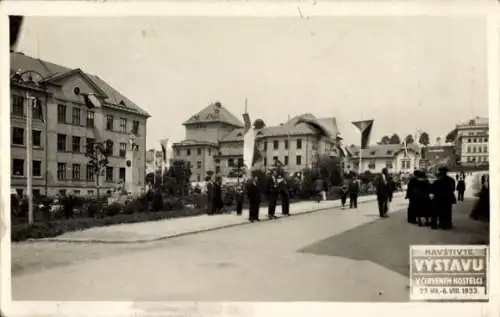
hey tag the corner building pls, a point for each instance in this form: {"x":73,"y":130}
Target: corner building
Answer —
{"x":62,"y":127}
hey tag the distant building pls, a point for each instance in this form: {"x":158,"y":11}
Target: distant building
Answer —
{"x":214,"y":142}
{"x":437,"y":155}
{"x":63,"y":126}
{"x":471,"y":142}
{"x":390,"y":156}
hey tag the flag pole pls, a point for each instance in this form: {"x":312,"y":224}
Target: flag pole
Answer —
{"x":288,"y":147}
{"x":360,"y":169}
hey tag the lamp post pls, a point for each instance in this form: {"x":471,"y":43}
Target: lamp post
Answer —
{"x":29,"y":152}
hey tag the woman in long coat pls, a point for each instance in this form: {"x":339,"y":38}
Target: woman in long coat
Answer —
{"x":481,"y":210}
{"x":421,"y":199}
{"x":411,"y":214}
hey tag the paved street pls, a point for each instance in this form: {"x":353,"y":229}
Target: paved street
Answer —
{"x":331,"y":255}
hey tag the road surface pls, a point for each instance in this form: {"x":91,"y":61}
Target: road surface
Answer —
{"x":332,"y":255}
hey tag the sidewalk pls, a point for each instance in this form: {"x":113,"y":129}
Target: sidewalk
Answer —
{"x":163,"y":229}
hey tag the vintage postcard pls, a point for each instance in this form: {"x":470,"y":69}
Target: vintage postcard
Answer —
{"x":256,"y":159}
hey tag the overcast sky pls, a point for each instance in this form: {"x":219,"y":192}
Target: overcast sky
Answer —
{"x":406,"y":73}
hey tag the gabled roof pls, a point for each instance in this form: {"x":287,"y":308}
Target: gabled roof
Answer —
{"x":51,"y":72}
{"x":56,"y":77}
{"x":288,"y":127}
{"x":214,"y":113}
{"x":383,"y":150}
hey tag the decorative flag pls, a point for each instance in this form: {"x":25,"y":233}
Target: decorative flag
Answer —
{"x":248,"y":143}
{"x":91,"y":101}
{"x":15,"y":23}
{"x":405,"y":147}
{"x":365,"y":127}
{"x":164,"y":144}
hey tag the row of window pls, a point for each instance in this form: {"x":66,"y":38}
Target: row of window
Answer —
{"x":62,"y":171}
{"x":18,"y":108}
{"x":18,"y":137}
{"x":18,"y":168}
{"x":76,"y":145}
{"x":405,"y":164}
{"x":276,"y":144}
{"x":76,"y":119}
{"x":478,"y":149}
{"x":476,"y":140}
{"x":476,"y":159}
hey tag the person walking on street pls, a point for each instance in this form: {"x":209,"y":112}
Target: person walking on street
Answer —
{"x":217,"y":202}
{"x":285,"y":196}
{"x":319,"y":188}
{"x":411,"y":214}
{"x":253,"y":193}
{"x":210,"y":195}
{"x":239,"y":200}
{"x":461,"y":188}
{"x":344,"y":191}
{"x":420,"y":198}
{"x":444,"y":199}
{"x":272,"y":195}
{"x":353,"y":192}
{"x":382,"y":190}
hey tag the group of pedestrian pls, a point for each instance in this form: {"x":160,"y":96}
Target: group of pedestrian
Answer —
{"x":214,"y":195}
{"x":275,"y":188}
{"x":350,"y":189}
{"x":431,"y":204}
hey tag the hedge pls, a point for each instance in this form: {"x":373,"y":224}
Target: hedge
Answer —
{"x":94,"y":214}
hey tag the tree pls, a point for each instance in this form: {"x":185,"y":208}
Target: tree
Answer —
{"x":409,"y":139}
{"x":385,"y":140}
{"x":259,"y":124}
{"x":394,"y":139}
{"x":176,"y":181}
{"x":424,"y":139}
{"x":452,"y":136}
{"x":330,"y":168}
{"x":98,"y":153}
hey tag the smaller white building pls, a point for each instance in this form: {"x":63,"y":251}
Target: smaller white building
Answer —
{"x":390,"y":156}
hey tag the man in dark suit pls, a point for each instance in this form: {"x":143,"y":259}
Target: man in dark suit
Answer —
{"x":272,"y":195}
{"x":444,"y":198}
{"x":353,"y":192}
{"x":285,"y":196}
{"x":210,"y":195}
{"x":382,"y":190}
{"x":253,"y":193}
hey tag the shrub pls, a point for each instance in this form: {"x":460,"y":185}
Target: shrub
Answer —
{"x":172,"y":203}
{"x":113,"y":209}
{"x":94,"y":208}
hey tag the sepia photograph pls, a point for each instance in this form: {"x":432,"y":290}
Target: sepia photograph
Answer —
{"x":252,"y":159}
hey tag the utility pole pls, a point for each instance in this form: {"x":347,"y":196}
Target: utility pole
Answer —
{"x":29,"y":149}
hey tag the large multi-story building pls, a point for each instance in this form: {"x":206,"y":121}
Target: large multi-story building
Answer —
{"x":214,"y":142}
{"x":62,"y":126}
{"x":472,"y":141}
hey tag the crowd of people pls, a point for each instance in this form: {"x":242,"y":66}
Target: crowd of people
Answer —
{"x":431,"y":202}
{"x":276,"y":189}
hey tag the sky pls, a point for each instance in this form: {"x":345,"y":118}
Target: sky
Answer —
{"x":406,"y":73}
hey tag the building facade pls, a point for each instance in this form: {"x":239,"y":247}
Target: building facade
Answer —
{"x":390,"y":156}
{"x":472,"y":141}
{"x":214,"y":142}
{"x":63,"y":125}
